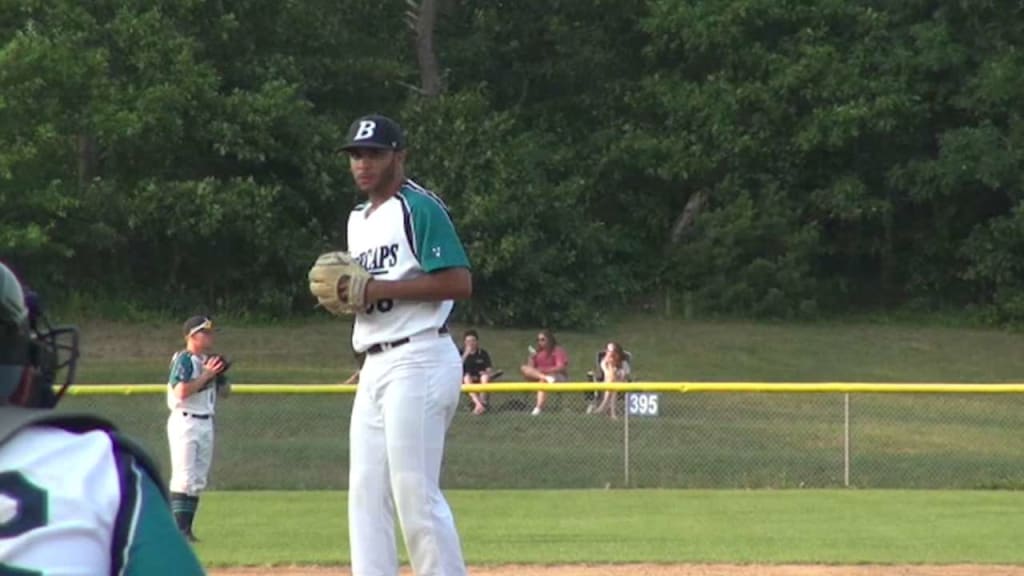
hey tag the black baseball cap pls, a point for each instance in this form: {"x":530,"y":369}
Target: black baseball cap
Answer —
{"x":375,"y":131}
{"x":197,"y":324}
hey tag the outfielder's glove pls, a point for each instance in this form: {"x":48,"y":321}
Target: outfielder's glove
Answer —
{"x":331,"y":273}
{"x":220,"y":380}
{"x":224,"y":360}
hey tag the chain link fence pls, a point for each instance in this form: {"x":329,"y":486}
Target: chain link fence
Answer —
{"x":695,"y":440}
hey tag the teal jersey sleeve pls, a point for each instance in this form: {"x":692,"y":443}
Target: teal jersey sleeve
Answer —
{"x":181,"y":368}
{"x":433,"y":237}
{"x":146,"y":540}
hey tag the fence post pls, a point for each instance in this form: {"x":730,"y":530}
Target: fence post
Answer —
{"x":625,"y":443}
{"x":846,"y":440}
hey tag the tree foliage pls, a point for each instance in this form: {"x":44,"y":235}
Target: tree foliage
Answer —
{"x":754,"y":157}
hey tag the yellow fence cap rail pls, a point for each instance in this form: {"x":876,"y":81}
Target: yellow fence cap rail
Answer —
{"x":751,"y":387}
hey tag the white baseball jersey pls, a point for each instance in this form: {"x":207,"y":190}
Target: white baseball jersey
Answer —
{"x":408,"y":235}
{"x":73,"y":505}
{"x":185,"y":367}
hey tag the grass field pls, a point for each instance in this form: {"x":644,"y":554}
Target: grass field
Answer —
{"x":662,"y":526}
{"x":516,"y":479}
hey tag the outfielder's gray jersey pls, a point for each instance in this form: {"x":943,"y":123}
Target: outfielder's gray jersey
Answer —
{"x":190,"y":426}
{"x":408,"y":235}
{"x":186,"y":366}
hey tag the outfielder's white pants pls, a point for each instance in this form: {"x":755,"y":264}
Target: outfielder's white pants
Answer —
{"x":191,"y":443}
{"x":405,"y":401}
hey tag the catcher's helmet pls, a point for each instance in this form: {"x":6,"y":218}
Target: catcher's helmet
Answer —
{"x":32,"y":353}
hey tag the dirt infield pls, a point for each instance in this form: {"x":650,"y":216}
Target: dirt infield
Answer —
{"x":670,"y":570}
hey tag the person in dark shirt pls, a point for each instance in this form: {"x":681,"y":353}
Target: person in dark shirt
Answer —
{"x":476,"y":368}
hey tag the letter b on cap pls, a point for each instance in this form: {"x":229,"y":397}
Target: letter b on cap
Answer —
{"x":366,"y":128}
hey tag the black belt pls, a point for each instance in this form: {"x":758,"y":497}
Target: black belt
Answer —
{"x":194,"y":415}
{"x":377,"y":348}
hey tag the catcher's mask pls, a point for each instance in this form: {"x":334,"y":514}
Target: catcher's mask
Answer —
{"x":34,"y":355}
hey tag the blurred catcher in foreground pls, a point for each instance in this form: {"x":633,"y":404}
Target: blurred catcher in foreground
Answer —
{"x":76,"y":498}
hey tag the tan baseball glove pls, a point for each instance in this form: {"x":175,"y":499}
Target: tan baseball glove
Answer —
{"x":339,"y":283}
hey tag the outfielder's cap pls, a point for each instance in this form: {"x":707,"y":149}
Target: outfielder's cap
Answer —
{"x":375,"y":131}
{"x":197,"y":324}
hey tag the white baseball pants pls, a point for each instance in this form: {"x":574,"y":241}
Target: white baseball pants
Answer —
{"x":191,"y":443}
{"x":406,"y":399}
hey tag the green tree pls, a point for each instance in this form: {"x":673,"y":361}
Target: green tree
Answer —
{"x":210,"y":134}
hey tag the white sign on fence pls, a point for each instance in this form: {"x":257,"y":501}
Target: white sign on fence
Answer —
{"x":642,"y":403}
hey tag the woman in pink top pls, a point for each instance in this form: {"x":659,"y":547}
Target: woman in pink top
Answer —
{"x":549,"y":363}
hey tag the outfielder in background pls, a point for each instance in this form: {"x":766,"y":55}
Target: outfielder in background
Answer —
{"x":76,"y":498}
{"x":404,"y":269}
{"x":196,"y":380}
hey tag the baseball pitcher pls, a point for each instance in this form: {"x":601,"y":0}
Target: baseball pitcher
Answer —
{"x":76,"y":498}
{"x":404,"y":269}
{"x":196,"y":380}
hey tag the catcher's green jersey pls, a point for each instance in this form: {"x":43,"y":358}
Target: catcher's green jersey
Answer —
{"x":406,"y":236}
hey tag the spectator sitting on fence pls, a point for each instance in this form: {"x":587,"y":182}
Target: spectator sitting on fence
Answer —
{"x":613,"y":366}
{"x":476,"y":369}
{"x":548,"y":363}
